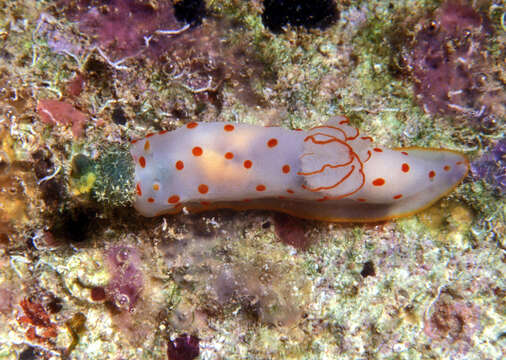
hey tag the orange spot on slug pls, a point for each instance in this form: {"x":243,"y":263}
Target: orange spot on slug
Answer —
{"x":378,"y":182}
{"x":397,"y":196}
{"x":247,"y":164}
{"x":229,"y":127}
{"x":405,"y":167}
{"x":192,"y":125}
{"x":458,"y":163}
{"x":197,"y":151}
{"x":272,"y":142}
{"x":179,"y":165}
{"x":378,"y":150}
{"x":203,"y":188}
{"x":260,"y":187}
{"x":290,"y":191}
{"x":162,"y":132}
{"x":286,"y":169}
{"x":156,"y":187}
{"x":447,"y":168}
{"x":361,"y":200}
{"x":134,"y":141}
{"x":151,"y":200}
{"x":138,"y":188}
{"x":173,"y":199}
{"x":404,"y":153}
{"x":432,"y":174}
{"x":147,"y":146}
{"x":150,"y":134}
{"x":142,"y":162}
{"x":229,"y":156}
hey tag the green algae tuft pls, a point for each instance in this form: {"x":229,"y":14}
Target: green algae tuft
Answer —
{"x":114,"y":171}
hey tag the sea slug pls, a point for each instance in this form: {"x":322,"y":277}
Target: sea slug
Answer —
{"x":330,"y":172}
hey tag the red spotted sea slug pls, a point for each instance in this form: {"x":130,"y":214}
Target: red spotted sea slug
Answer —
{"x":330,"y":172}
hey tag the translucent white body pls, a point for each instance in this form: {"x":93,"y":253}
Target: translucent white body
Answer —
{"x":330,"y":172}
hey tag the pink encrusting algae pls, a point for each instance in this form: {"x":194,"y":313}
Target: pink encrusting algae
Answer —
{"x":63,"y":113}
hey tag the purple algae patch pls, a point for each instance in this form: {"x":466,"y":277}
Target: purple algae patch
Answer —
{"x":453,"y":323}
{"x":291,"y":231}
{"x":126,"y":28}
{"x":491,"y":167}
{"x":127,"y":280}
{"x":184,"y":347}
{"x":447,"y":61}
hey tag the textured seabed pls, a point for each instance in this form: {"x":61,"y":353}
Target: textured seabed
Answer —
{"x":83,"y":280}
